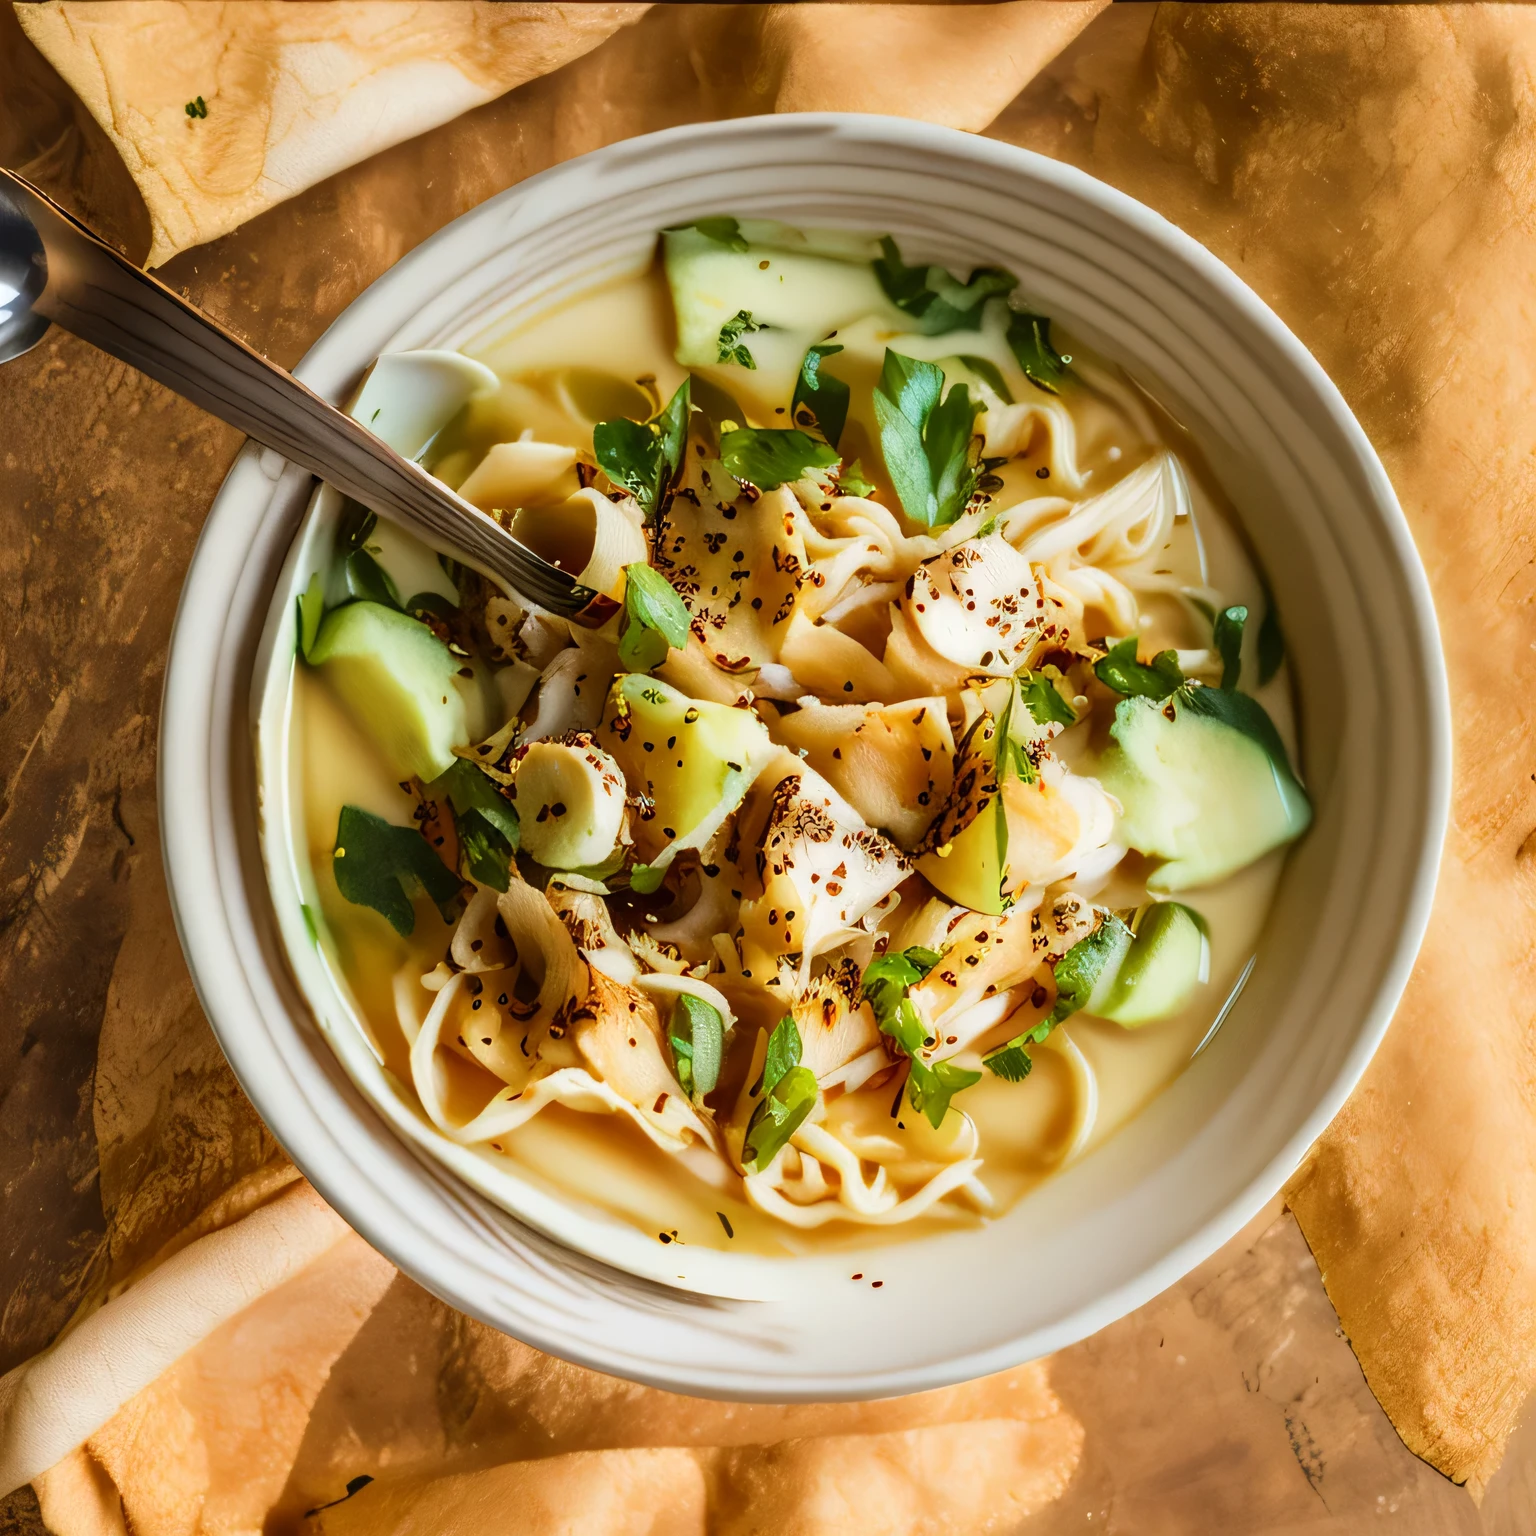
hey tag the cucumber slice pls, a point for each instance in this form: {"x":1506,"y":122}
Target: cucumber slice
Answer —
{"x":690,"y":760}
{"x":1162,"y":969}
{"x":965,"y":852}
{"x":1204,"y":782}
{"x":794,"y":291}
{"x":969,"y":867}
{"x":397,"y":681}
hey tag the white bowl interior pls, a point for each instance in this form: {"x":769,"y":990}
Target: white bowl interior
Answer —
{"x":1185,"y":1174}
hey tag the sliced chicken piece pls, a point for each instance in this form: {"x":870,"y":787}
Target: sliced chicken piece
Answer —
{"x":993,"y":965}
{"x":822,"y":870}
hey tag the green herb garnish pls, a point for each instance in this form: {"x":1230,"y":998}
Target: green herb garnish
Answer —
{"x":936,"y":300}
{"x":1044,"y":701}
{"x":485,"y":820}
{"x":723,"y":231}
{"x":1121,"y":671}
{"x":380,"y":865}
{"x":789,"y":1095}
{"x":730,"y":345}
{"x":1078,"y":972}
{"x":645,"y":878}
{"x":927,"y":439}
{"x":1029,"y":339}
{"x":644,"y":456}
{"x":431,"y":602}
{"x":990,"y":374}
{"x":655,"y":619}
{"x":769,"y":457}
{"x":196,"y":108}
{"x":823,"y":398}
{"x":697,"y":1035}
{"x":930,"y":1087}
{"x":852,"y":481}
{"x":1227,"y":635}
{"x":368,"y":581}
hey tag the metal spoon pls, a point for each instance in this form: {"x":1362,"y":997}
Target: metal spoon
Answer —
{"x":56,"y":271}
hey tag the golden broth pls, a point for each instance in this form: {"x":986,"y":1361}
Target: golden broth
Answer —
{"x":610,"y":352}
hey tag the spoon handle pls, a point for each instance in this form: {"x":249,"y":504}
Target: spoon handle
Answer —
{"x":100,"y":296}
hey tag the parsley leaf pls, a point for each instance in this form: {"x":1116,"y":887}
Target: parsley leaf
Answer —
{"x":927,"y":439}
{"x":783,"y":1052}
{"x":1227,"y":634}
{"x":935,"y":299}
{"x":380,"y":865}
{"x":356,"y":526}
{"x":789,"y":1095}
{"x":485,"y":820}
{"x":768,"y":457}
{"x":782,"y":1113}
{"x":885,"y":987}
{"x":645,"y":878}
{"x":823,"y":398}
{"x":311,"y":611}
{"x":930,"y":1086}
{"x":1090,"y":962}
{"x":1044,"y":701}
{"x":1121,"y":671}
{"x":368,"y":581}
{"x":1029,"y":337}
{"x":196,"y":108}
{"x":434,"y":603}
{"x":697,"y":1036}
{"x":723,"y":231}
{"x":731,"y":347}
{"x":655,"y":619}
{"x":645,"y":456}
{"x":990,"y":374}
{"x":853,"y":482}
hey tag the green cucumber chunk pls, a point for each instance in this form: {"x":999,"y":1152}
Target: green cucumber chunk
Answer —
{"x":760,"y":299}
{"x":397,"y":681}
{"x":691,"y":760}
{"x":1204,"y":783}
{"x":1161,"y":970}
{"x":970,"y":870}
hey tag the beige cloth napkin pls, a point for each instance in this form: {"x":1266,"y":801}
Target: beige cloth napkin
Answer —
{"x":287,"y":92}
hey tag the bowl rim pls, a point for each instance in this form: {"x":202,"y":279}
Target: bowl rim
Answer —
{"x":186,"y":772}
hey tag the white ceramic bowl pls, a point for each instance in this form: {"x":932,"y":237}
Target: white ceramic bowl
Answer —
{"x":1167,"y":1190}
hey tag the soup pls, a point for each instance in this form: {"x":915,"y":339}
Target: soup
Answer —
{"x":908,"y":823}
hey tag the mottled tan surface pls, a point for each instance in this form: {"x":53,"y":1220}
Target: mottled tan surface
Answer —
{"x":1369,"y":172}
{"x":291,"y":90}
